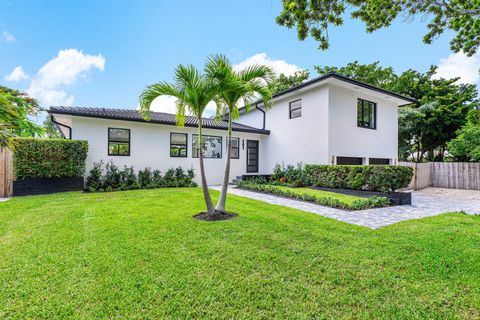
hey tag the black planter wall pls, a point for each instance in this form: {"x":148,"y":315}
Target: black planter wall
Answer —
{"x":26,"y":187}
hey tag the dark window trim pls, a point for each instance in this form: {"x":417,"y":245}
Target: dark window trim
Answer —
{"x":122,"y":142}
{"x":203,"y":136}
{"x":290,"y":108}
{"x":176,"y":144}
{"x":348,"y":161}
{"x":363,"y":115}
{"x":238,"y":147}
{"x":379,"y":161}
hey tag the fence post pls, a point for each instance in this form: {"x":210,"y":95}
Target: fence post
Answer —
{"x":414,"y":177}
{"x":6,"y":173}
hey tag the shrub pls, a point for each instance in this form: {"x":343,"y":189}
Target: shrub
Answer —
{"x":288,"y":174}
{"x":113,"y":179}
{"x":373,"y":178}
{"x":324,"y":201}
{"x":49,"y":158}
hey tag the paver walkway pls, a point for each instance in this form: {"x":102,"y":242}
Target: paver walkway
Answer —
{"x":4,"y":199}
{"x":423,"y":205}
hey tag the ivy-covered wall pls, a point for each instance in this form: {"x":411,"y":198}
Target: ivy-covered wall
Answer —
{"x":49,"y":158}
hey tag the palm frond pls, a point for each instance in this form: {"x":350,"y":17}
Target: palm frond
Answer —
{"x":154,"y":91}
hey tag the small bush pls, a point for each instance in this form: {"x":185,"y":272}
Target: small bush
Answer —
{"x":111,"y":178}
{"x":359,"y":204}
{"x":289,"y":174}
{"x":49,"y":158}
{"x":373,"y":178}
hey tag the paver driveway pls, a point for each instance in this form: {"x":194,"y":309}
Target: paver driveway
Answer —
{"x":425,"y":203}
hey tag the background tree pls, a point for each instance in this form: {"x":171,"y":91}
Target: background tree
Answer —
{"x":445,"y":106}
{"x":51,"y":130}
{"x":283,"y":82}
{"x":236,"y":88}
{"x":193,"y":92}
{"x":466,"y":146}
{"x":313,"y":17}
{"x":15,"y":109}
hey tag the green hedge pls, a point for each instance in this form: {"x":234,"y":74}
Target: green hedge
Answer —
{"x":360,"y":204}
{"x":49,"y":158}
{"x":386,"y":178}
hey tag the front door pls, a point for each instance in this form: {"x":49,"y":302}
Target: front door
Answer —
{"x":252,"y":156}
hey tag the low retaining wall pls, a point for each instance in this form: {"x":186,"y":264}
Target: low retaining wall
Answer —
{"x":397,"y":198}
{"x":26,"y":187}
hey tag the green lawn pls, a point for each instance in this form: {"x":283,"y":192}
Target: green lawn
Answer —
{"x":348,"y":199}
{"x":141,"y":255}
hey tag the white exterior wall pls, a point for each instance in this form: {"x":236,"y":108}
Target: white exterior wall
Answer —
{"x":303,"y":139}
{"x":150,"y":147}
{"x":347,"y":139}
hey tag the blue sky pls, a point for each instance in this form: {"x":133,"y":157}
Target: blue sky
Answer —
{"x":121,"y":46}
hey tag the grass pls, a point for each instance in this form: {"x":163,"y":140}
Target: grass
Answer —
{"x":140,"y":255}
{"x":344,"y":198}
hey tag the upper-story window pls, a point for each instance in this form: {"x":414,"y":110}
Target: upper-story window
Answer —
{"x":118,"y":142}
{"x":235,"y":148}
{"x":178,"y":145}
{"x":212,"y":146}
{"x":295,"y":109}
{"x":366,"y":114}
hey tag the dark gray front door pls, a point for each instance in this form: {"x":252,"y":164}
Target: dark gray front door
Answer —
{"x":252,"y":156}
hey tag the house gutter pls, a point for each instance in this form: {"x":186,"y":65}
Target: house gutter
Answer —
{"x":58,"y":124}
{"x":264,"y":115}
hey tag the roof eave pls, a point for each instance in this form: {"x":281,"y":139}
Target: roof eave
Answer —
{"x":78,"y":114}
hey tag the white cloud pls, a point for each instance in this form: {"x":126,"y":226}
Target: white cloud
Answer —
{"x":167,"y":104}
{"x":60,"y":72}
{"x":16,"y":75}
{"x":279,"y":66}
{"x":459,"y":65}
{"x":7,"y":37}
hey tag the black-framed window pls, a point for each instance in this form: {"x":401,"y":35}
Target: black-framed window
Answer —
{"x":118,"y":142}
{"x":378,"y":161}
{"x":178,"y":145}
{"x":212,"y":146}
{"x":235,"y":154}
{"x":295,"y":109}
{"x":349,"y":161}
{"x":366,"y":114}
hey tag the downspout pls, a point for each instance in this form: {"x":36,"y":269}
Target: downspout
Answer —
{"x":62,"y":125}
{"x":264,"y":115}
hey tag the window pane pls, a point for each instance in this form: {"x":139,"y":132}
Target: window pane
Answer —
{"x":235,"y":142}
{"x":296,"y":104}
{"x":178,"y":138}
{"x":123,"y":149}
{"x":366,"y":114}
{"x":296,"y":113}
{"x":113,"y":148}
{"x":235,"y":153}
{"x":122,"y":135}
{"x":178,"y":151}
{"x":212,"y":146}
{"x":373,"y":110}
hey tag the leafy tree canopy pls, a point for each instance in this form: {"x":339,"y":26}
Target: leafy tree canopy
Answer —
{"x":283,"y":82}
{"x":15,"y":107}
{"x":313,"y":17}
{"x":466,"y":146}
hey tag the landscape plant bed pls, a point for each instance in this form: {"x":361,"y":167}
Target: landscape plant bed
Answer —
{"x":324,"y":198}
{"x":396,"y":198}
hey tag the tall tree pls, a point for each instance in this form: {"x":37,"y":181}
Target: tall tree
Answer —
{"x":466,"y":146}
{"x":193,"y":92}
{"x":15,"y":109}
{"x":236,"y":88}
{"x":313,"y":17}
{"x":283,"y":82}
{"x":423,"y":132}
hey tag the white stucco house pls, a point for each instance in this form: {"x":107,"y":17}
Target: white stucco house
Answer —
{"x":328,"y":120}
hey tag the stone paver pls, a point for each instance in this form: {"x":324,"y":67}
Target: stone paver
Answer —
{"x":424,"y":204}
{"x":4,"y":199}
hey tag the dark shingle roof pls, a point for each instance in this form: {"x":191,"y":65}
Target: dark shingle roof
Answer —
{"x":156,"y":117}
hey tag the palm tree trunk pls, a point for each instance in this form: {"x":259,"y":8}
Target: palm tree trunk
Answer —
{"x":226,"y":175}
{"x":206,"y":194}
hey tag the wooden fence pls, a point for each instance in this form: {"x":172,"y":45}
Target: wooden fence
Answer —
{"x":6,"y":174}
{"x":454,"y":175}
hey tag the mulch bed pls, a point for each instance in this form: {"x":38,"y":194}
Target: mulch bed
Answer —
{"x":217,"y":216}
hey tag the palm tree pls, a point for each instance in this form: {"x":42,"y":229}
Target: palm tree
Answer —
{"x":236,"y":87}
{"x":193,"y":92}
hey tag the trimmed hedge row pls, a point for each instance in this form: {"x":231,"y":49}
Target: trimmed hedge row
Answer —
{"x":386,"y":178}
{"x":372,"y":202}
{"x":49,"y":158}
